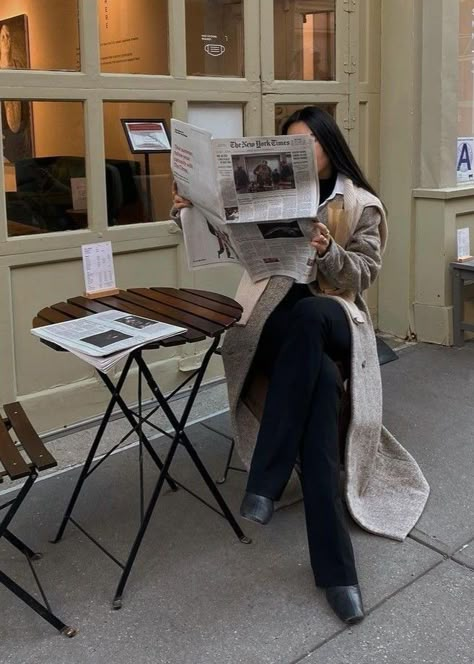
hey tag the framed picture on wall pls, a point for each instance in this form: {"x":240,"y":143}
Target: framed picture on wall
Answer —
{"x":17,"y":123}
{"x":147,"y":136}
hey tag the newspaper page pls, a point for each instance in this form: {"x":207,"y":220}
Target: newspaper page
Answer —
{"x":207,"y":242}
{"x":109,"y":334}
{"x":194,"y":169}
{"x":264,"y":249}
{"x":267,"y":178}
{"x":253,"y":200}
{"x":272,"y":248}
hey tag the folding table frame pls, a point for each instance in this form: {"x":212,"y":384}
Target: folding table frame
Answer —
{"x":179,"y":437}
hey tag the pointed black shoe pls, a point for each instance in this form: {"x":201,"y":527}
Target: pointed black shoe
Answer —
{"x":256,"y":508}
{"x":346,"y":602}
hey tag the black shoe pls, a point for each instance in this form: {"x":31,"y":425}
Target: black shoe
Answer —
{"x":257,"y":508}
{"x":346,"y":602}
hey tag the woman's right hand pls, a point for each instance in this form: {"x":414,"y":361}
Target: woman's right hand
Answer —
{"x":178,"y":201}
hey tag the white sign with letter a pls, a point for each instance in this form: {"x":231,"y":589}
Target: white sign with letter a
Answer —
{"x":465,"y":160}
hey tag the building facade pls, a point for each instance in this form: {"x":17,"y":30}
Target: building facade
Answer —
{"x":396,"y":74}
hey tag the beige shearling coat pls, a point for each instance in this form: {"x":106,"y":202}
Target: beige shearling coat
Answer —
{"x":385,"y":490}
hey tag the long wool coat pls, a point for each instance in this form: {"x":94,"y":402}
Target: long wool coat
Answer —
{"x":385,"y":490}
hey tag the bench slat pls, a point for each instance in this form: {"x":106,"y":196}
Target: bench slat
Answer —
{"x":28,"y":437}
{"x":10,"y":457}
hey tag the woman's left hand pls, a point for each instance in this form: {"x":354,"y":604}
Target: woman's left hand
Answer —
{"x":321,"y":238}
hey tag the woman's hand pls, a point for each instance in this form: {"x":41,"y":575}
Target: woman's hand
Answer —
{"x":178,"y":201}
{"x":321,"y":238}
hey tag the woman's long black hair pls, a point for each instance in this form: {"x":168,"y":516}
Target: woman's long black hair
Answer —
{"x":325,"y":130}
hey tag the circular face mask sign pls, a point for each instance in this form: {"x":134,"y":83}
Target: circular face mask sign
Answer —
{"x":214,"y":49}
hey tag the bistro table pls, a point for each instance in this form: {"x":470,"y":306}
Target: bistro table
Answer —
{"x":205,"y":315}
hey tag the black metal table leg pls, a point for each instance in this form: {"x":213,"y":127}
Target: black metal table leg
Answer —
{"x":36,"y":606}
{"x":93,"y":449}
{"x":117,"y":602}
{"x":135,"y":423}
{"x":180,"y":437}
{"x":21,"y":546}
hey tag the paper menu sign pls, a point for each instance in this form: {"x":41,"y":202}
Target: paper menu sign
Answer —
{"x":463,"y":243}
{"x":79,"y":193}
{"x":98,"y":266}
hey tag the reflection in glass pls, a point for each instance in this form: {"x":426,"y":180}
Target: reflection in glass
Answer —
{"x":304,"y":37}
{"x":214,"y":38}
{"x":133,"y":36}
{"x":138,"y":185}
{"x":283,"y":111}
{"x":44,"y":170}
{"x":45,"y":37}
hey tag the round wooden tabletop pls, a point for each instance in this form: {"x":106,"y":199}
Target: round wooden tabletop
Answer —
{"x":203,"y":313}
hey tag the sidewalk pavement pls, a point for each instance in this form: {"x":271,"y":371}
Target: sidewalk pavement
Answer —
{"x":198,"y":596}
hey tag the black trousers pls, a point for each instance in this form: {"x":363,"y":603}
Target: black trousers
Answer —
{"x":300,"y":343}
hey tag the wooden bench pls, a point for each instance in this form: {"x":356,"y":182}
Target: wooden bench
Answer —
{"x":22,"y":456}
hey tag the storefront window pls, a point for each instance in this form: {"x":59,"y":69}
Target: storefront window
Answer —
{"x":465,"y":153}
{"x":44,"y":166}
{"x":133,"y":36}
{"x":215,"y":38}
{"x":138,"y":175}
{"x":304,"y":37}
{"x":283,"y":111}
{"x":39,"y":35}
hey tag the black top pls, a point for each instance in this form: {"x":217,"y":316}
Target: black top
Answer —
{"x":326,"y":187}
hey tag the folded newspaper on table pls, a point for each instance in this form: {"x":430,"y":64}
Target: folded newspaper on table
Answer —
{"x":105,"y":338}
{"x":254,"y":201}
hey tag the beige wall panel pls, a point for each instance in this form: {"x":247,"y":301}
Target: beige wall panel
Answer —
{"x":7,"y":382}
{"x":369,"y":44}
{"x":368,"y":157}
{"x":399,"y":144}
{"x":33,"y":288}
{"x":433,"y":324}
{"x":368,"y":152}
{"x":430,"y":253}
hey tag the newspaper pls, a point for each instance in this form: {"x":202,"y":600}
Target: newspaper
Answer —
{"x":105,"y":338}
{"x":253,"y":201}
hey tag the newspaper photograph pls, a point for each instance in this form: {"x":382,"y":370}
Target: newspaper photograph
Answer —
{"x":109,"y":334}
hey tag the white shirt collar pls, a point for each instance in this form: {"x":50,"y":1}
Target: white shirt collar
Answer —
{"x":338,"y":189}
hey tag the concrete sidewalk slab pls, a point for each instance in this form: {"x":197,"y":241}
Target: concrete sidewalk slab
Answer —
{"x":196,"y":594}
{"x":428,"y":407}
{"x":430,"y":622}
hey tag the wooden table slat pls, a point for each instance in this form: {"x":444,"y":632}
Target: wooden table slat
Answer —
{"x":70,"y":310}
{"x":28,"y":437}
{"x":50,"y":316}
{"x":90,"y":306}
{"x":178,"y":317}
{"x":215,"y":297}
{"x":181,"y":294}
{"x":10,"y":457}
{"x":206,"y":312}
